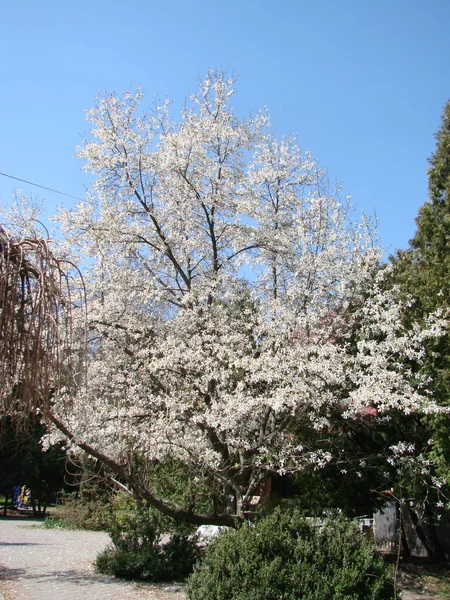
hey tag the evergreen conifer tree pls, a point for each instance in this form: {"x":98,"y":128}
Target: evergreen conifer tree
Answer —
{"x":423,"y":272}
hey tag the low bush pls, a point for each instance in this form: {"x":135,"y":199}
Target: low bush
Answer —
{"x":52,"y":523}
{"x":75,"y":513}
{"x":139,"y":550}
{"x":287,"y":557}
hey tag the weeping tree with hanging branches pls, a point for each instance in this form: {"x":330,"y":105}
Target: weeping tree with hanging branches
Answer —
{"x":37,"y":296}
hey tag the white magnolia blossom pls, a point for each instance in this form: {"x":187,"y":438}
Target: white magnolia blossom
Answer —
{"x":231,"y":296}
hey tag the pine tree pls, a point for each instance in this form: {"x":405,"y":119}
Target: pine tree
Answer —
{"x":424,"y":268}
{"x":423,"y":272}
{"x":439,"y":173}
{"x":431,"y":243}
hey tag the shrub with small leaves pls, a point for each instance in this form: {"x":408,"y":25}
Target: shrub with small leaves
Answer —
{"x":287,"y":557}
{"x":139,"y":552}
{"x":78,"y":513}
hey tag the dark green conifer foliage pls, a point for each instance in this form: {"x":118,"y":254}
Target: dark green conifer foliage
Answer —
{"x":430,"y":247}
{"x":439,"y":173}
{"x":423,"y":272}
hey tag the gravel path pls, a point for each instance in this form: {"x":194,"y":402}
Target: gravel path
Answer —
{"x":56,"y":564}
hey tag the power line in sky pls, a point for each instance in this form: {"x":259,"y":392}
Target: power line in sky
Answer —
{"x":41,"y":186}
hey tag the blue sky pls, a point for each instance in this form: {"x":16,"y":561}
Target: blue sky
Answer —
{"x":363,"y":83}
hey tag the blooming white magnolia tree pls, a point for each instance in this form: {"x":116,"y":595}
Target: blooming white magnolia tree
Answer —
{"x":225,"y":287}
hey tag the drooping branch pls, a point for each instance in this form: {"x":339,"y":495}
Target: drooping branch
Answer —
{"x":37,"y":344}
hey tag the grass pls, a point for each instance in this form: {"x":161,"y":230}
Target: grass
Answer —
{"x":51,"y":523}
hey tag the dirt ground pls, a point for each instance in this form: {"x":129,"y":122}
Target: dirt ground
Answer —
{"x":424,"y":580}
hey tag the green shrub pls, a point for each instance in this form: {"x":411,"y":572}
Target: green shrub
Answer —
{"x":52,"y":523}
{"x":77,"y":513}
{"x":139,"y":552}
{"x":287,"y":557}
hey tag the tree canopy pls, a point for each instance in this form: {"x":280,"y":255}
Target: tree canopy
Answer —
{"x":234,"y":304}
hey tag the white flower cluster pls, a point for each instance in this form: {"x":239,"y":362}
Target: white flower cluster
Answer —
{"x":232,"y":300}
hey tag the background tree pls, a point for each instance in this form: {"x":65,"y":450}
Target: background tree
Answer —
{"x":233,"y":308}
{"x":423,"y":268}
{"x":36,"y":358}
{"x":423,"y":272}
{"x":24,"y":463}
{"x":37,"y":291}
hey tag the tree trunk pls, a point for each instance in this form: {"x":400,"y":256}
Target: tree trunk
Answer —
{"x":230,"y":499}
{"x":439,"y":552}
{"x":428,"y":538}
{"x":165,"y":506}
{"x":404,"y":546}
